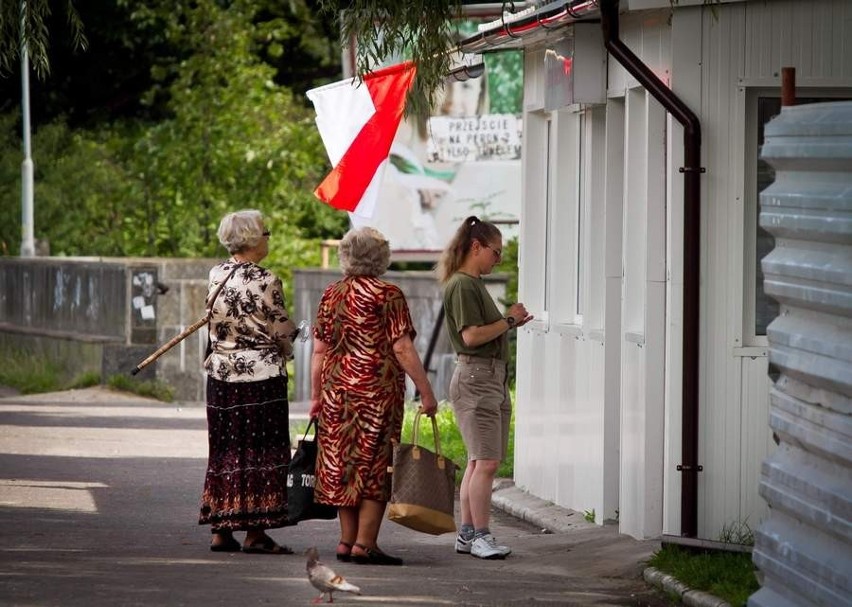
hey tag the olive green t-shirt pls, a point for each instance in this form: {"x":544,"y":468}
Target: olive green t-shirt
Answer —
{"x":467,"y":303}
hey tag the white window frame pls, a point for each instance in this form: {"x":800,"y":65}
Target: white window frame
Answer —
{"x":533,"y":255}
{"x":748,"y":343}
{"x":567,"y":230}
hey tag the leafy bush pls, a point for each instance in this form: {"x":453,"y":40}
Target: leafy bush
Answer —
{"x":452,"y":445}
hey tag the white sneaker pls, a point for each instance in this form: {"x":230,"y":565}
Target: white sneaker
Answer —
{"x":463,"y":545}
{"x":486,"y":547}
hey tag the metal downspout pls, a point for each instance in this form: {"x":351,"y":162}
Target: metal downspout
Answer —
{"x":691,"y":255}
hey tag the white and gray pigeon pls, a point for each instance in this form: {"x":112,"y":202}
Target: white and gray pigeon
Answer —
{"x":325,"y":579}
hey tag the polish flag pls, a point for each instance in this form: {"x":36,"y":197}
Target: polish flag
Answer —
{"x":357,"y":123}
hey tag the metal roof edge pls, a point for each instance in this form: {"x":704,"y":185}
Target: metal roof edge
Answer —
{"x":511,"y":31}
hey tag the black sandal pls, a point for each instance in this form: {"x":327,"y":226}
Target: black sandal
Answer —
{"x":228,"y":544}
{"x":374,"y":556}
{"x":344,"y":556}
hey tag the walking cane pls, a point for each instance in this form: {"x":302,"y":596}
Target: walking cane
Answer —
{"x":302,"y":332}
{"x":171,"y":344}
{"x":189,"y":330}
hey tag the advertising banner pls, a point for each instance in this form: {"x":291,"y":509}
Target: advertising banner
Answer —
{"x":463,"y":160}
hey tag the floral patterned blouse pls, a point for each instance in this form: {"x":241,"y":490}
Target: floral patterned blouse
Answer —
{"x":250,"y":330}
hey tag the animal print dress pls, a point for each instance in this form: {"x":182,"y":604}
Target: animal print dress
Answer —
{"x":363,"y":388}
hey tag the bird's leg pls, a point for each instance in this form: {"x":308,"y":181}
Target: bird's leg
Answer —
{"x":319,"y":599}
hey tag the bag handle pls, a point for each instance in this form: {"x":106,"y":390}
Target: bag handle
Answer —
{"x":416,"y":430}
{"x":312,"y":422}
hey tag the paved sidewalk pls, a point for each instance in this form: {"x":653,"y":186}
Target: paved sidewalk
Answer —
{"x":98,"y":503}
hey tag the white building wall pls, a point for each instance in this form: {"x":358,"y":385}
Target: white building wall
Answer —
{"x":576,"y":376}
{"x":743,"y":48}
{"x":566,"y":444}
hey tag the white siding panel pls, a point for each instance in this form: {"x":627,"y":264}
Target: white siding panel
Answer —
{"x":719,"y":383}
{"x":813,"y":37}
{"x":530,"y":423}
{"x":631,"y":489}
{"x":559,"y":446}
{"x":643,"y":318}
{"x":757,"y":443}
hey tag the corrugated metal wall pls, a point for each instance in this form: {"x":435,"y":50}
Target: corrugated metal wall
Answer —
{"x":804,"y":550}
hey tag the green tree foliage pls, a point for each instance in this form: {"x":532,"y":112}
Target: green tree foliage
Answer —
{"x":25,"y":21}
{"x":135,"y":47}
{"x":505,"y":73}
{"x":231,"y":138}
{"x":420,"y":29}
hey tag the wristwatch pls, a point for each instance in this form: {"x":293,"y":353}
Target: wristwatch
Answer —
{"x":510,"y":320}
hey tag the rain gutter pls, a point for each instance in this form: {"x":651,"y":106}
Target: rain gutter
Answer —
{"x":531,"y":26}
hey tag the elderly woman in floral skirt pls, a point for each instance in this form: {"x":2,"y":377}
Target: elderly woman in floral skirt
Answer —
{"x":247,"y":410}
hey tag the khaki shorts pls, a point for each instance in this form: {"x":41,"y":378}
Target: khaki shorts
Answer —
{"x":480,"y":398}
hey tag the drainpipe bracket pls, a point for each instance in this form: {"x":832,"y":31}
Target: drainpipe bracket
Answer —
{"x":688,"y":468}
{"x":692,"y":169}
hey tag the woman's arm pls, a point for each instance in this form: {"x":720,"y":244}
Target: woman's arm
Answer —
{"x":281,"y":328}
{"x":320,"y":348}
{"x":409,"y":360}
{"x":481,"y":334}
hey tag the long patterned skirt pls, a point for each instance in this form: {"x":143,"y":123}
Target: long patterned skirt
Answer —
{"x":249,"y":451}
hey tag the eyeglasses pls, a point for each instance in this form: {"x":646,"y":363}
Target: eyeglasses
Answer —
{"x":266,"y":233}
{"x":497,"y":252}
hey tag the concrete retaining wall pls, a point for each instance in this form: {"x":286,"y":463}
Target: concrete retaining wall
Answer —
{"x":104,"y":315}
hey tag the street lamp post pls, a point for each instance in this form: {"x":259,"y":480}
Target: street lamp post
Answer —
{"x":27,"y":240}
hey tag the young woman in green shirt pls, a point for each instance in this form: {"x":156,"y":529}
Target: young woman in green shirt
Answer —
{"x":478,"y":389}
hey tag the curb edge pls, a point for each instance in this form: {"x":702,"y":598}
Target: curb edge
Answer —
{"x":689,"y":597}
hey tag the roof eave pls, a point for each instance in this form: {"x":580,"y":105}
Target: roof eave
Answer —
{"x":529,"y":26}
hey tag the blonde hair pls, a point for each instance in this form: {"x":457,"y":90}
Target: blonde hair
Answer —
{"x":240,"y":230}
{"x":454,"y":255}
{"x":364,"y":252}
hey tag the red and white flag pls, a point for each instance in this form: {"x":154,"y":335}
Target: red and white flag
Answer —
{"x":357,"y":123}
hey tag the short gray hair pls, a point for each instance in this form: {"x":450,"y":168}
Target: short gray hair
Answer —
{"x":364,"y":252}
{"x":241,"y":230}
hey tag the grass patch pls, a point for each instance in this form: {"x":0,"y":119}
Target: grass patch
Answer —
{"x":30,"y":373}
{"x":149,"y":388}
{"x":727,"y":575}
{"x":85,"y":380}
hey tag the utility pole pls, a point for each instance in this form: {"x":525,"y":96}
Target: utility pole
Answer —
{"x":27,"y":240}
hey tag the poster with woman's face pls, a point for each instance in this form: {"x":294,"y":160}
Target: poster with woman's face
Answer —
{"x":463,"y":160}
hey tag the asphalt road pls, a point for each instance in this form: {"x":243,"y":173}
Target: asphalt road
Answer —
{"x":98,"y":507}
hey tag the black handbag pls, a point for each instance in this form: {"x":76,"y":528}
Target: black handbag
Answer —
{"x":301,"y":479}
